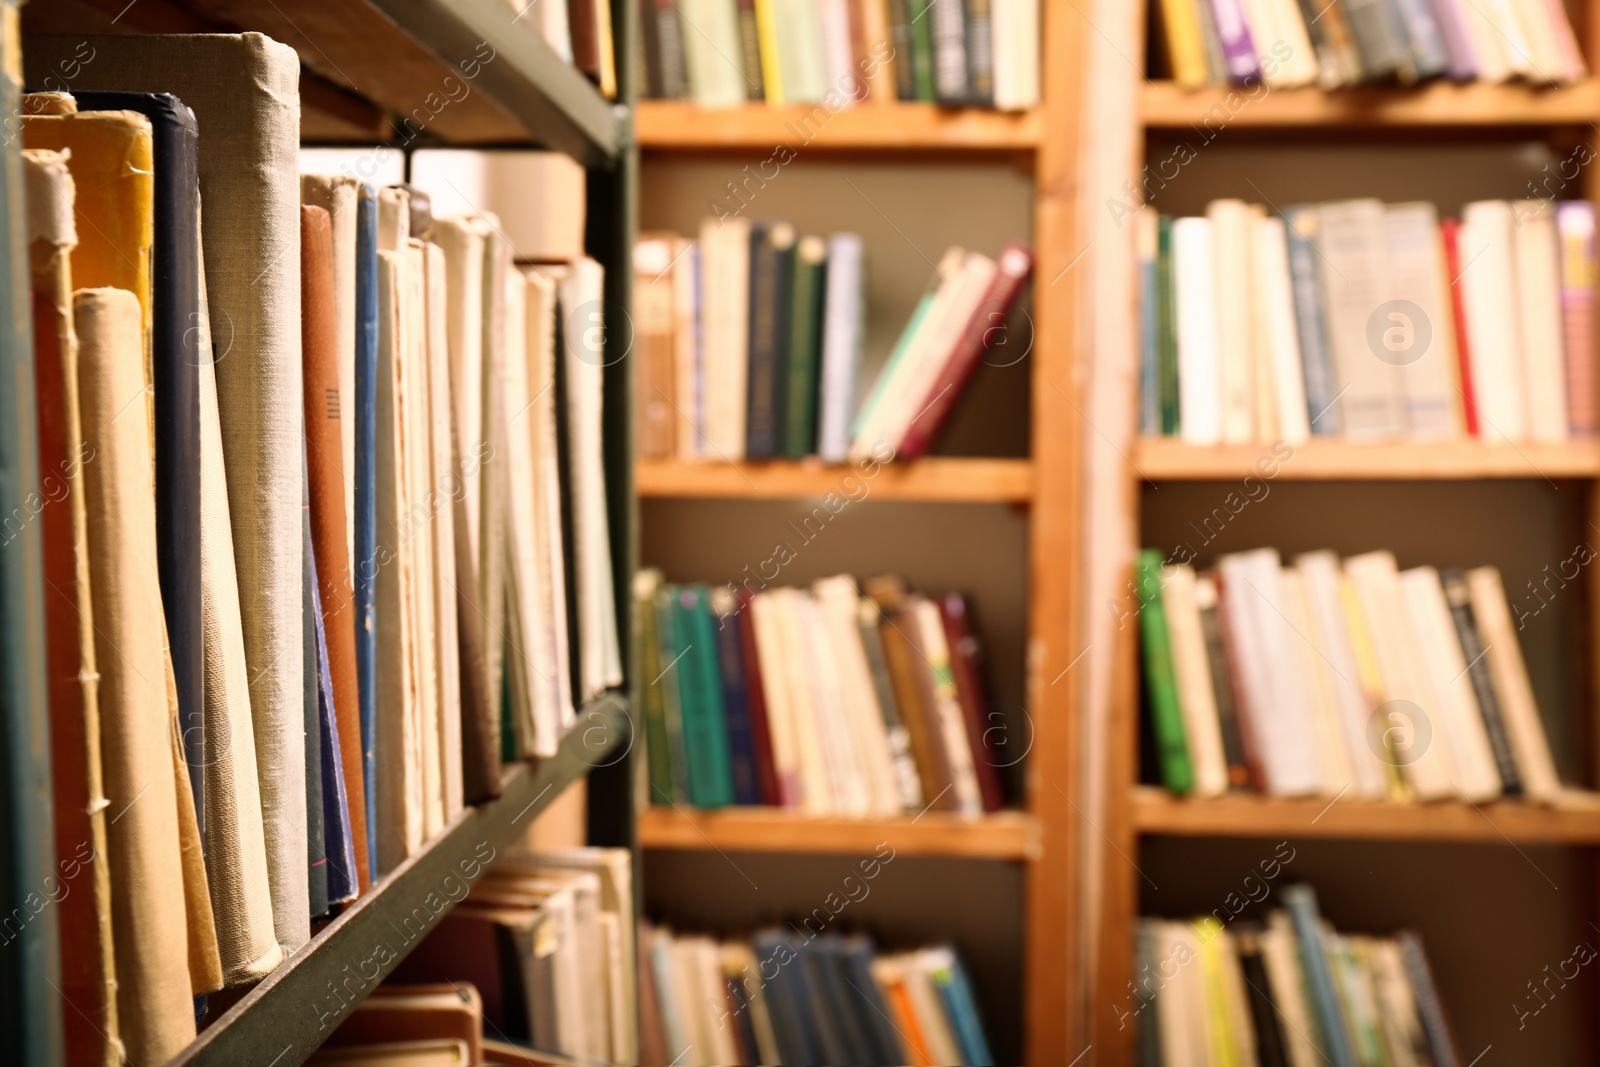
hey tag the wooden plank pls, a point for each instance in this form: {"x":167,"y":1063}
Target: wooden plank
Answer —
{"x":973,"y":481}
{"x":1008,"y":835}
{"x":1498,"y":822}
{"x":878,"y":127}
{"x":1164,"y":105}
{"x":1158,"y":458}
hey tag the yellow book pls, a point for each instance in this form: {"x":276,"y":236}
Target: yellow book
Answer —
{"x":1185,"y":47}
{"x":767,"y":35}
{"x":1219,"y":1020}
{"x":1371,"y":681}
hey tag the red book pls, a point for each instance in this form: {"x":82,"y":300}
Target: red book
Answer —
{"x":1452,"y":259}
{"x":965,"y":660}
{"x":756,"y":697}
{"x":984,"y":330}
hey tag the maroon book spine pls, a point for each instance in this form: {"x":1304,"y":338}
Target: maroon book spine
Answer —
{"x":965,"y":658}
{"x":756,"y":697}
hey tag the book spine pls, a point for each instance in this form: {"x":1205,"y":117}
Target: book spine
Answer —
{"x":705,"y":726}
{"x":1430,"y":1008}
{"x":905,"y":82}
{"x":1233,"y":752}
{"x":1459,"y":597}
{"x":894,"y":727}
{"x":1316,"y":356}
{"x":1428,"y":51}
{"x":1166,"y":330}
{"x":668,"y":641}
{"x":1231,"y":630}
{"x":652,"y":86}
{"x":1461,"y":62}
{"x":842,"y":331}
{"x":674,"y":72}
{"x":1451,"y":230}
{"x":750,"y":50}
{"x":921,"y":33}
{"x":1301,"y":903}
{"x":1576,"y":226}
{"x":583,"y":21}
{"x":1270,"y":1050}
{"x":653,"y":328}
{"x":338,"y":844}
{"x":1377,"y":39}
{"x":755,"y":694}
{"x":980,"y":53}
{"x":767,"y":32}
{"x":1238,"y":49}
{"x":363,"y":408}
{"x":966,"y":660}
{"x":1149,"y":324}
{"x":736,"y":704}
{"x":1161,"y":685}
{"x":804,"y":349}
{"x":652,"y":698}
{"x":983,"y":330}
{"x":950,"y":84}
{"x":769,"y":286}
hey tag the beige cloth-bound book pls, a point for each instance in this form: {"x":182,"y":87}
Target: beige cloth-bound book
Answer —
{"x":447,"y":640}
{"x":149,"y":921}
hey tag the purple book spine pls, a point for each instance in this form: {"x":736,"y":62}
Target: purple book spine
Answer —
{"x":1238,"y":51}
{"x":1462,"y":62}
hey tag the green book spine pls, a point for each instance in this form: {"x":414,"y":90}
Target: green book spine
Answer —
{"x":805,"y":348}
{"x":652,"y":701}
{"x":922,"y":54}
{"x":668,"y":681}
{"x":705,"y":721}
{"x":1166,"y":329}
{"x":897,"y":356}
{"x":1159,"y":678}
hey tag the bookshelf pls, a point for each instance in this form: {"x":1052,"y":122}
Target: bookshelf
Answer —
{"x":943,"y":157}
{"x":1379,"y":865}
{"x":366,"y":65}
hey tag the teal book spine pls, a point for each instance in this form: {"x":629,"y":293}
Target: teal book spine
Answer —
{"x":1301,"y":901}
{"x":805,"y":348}
{"x":705,"y":721}
{"x":1166,"y":330}
{"x":30,"y":963}
{"x":1161,"y":684}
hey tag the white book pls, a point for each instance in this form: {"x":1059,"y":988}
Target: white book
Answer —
{"x":1529,"y":744}
{"x":1409,"y":722}
{"x":1196,"y":696}
{"x":441,"y":480}
{"x":843,"y":332}
{"x":1539,"y":307}
{"x":1494,"y":332}
{"x":1199,"y":381}
{"x":767,"y":618}
{"x":1264,"y":383}
{"x":834,"y":19}
{"x":1422,"y":349}
{"x":1488,"y":47}
{"x":1233,"y":244}
{"x":1274,"y":709}
{"x":1282,"y":44}
{"x":814,"y":774}
{"x":1016,"y":53}
{"x":1446,"y":671}
{"x":838,"y":601}
{"x":1275,"y":294}
{"x":688,"y":352}
{"x":947,"y":704}
{"x":713,"y":59}
{"x":1330,"y":635}
{"x":1355,"y":283}
{"x":1503,"y":22}
{"x":1334,"y":756}
{"x":724,"y":317}
{"x":714,"y":1000}
{"x":555,"y":28}
{"x":846,"y":777}
{"x":581,"y":293}
{"x":537,"y":198}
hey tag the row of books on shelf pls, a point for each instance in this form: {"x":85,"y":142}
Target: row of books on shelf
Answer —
{"x":1327,"y":677}
{"x":280,"y":541}
{"x":1290,"y":991}
{"x":750,"y":345}
{"x":579,"y":32}
{"x":720,"y":53}
{"x":1369,"y":320}
{"x":798,"y":995}
{"x":1336,"y":43}
{"x":821,"y":701}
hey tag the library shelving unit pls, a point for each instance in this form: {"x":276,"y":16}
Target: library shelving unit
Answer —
{"x":366,"y":64}
{"x":920,"y":142}
{"x":1367,"y":859}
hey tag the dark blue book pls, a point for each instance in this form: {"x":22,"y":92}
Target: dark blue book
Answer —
{"x":787,"y":1002}
{"x":338,"y":844}
{"x":365,"y":474}
{"x":316,"y":854}
{"x":771,"y":266}
{"x":856,"y":953}
{"x":955,"y":992}
{"x":743,"y":1020}
{"x":844,"y":1008}
{"x":1301,"y":901}
{"x":175,"y":370}
{"x":736,"y":697}
{"x":823,"y":1011}
{"x":30,"y":965}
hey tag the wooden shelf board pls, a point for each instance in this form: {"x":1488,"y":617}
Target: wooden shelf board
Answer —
{"x":974,"y":481}
{"x":1158,"y":458}
{"x":1166,"y":105}
{"x":1157,"y":812}
{"x":807,"y":127}
{"x":1009,"y":835}
{"x":274,"y":1020}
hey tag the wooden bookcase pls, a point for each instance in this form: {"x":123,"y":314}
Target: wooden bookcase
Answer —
{"x":366,"y":64}
{"x":1441,"y":867}
{"x":1039,"y":841}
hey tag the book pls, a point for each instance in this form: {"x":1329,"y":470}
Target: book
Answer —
{"x":713,"y":56}
{"x":771,"y":269}
{"x":1193,"y":686}
{"x":538,"y":199}
{"x":1575,"y":230}
{"x":705,"y":727}
{"x":1459,"y":597}
{"x":1538,"y":297}
{"x":725,"y":249}
{"x":1535,"y":767}
{"x":1161,"y":685}
{"x":843,"y":330}
{"x":803,"y":350}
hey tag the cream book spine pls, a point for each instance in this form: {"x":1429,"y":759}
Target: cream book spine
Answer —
{"x":1199,"y":375}
{"x":1494,"y":331}
{"x":1539,"y":304}
{"x":947,"y":705}
{"x":1334,"y":757}
{"x":1275,"y":296}
{"x":1329,"y":635}
{"x":1529,"y":743}
{"x":1233,"y":240}
{"x":688,"y":358}
{"x":813,"y":770}
{"x":724,"y":304}
{"x":847,"y":776}
{"x":1196,"y":696}
{"x":837,"y":601}
{"x":441,"y":481}
{"x":1355,"y":283}
{"x":1421,"y":349}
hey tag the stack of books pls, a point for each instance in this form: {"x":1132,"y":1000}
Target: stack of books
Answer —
{"x":319,"y":483}
{"x":1327,"y":677}
{"x":720,"y":53}
{"x":1334,"y":43}
{"x":750,"y":345}
{"x":1369,"y":320}
{"x":1288,"y":991}
{"x":821,"y":701}
{"x":783,"y":996}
